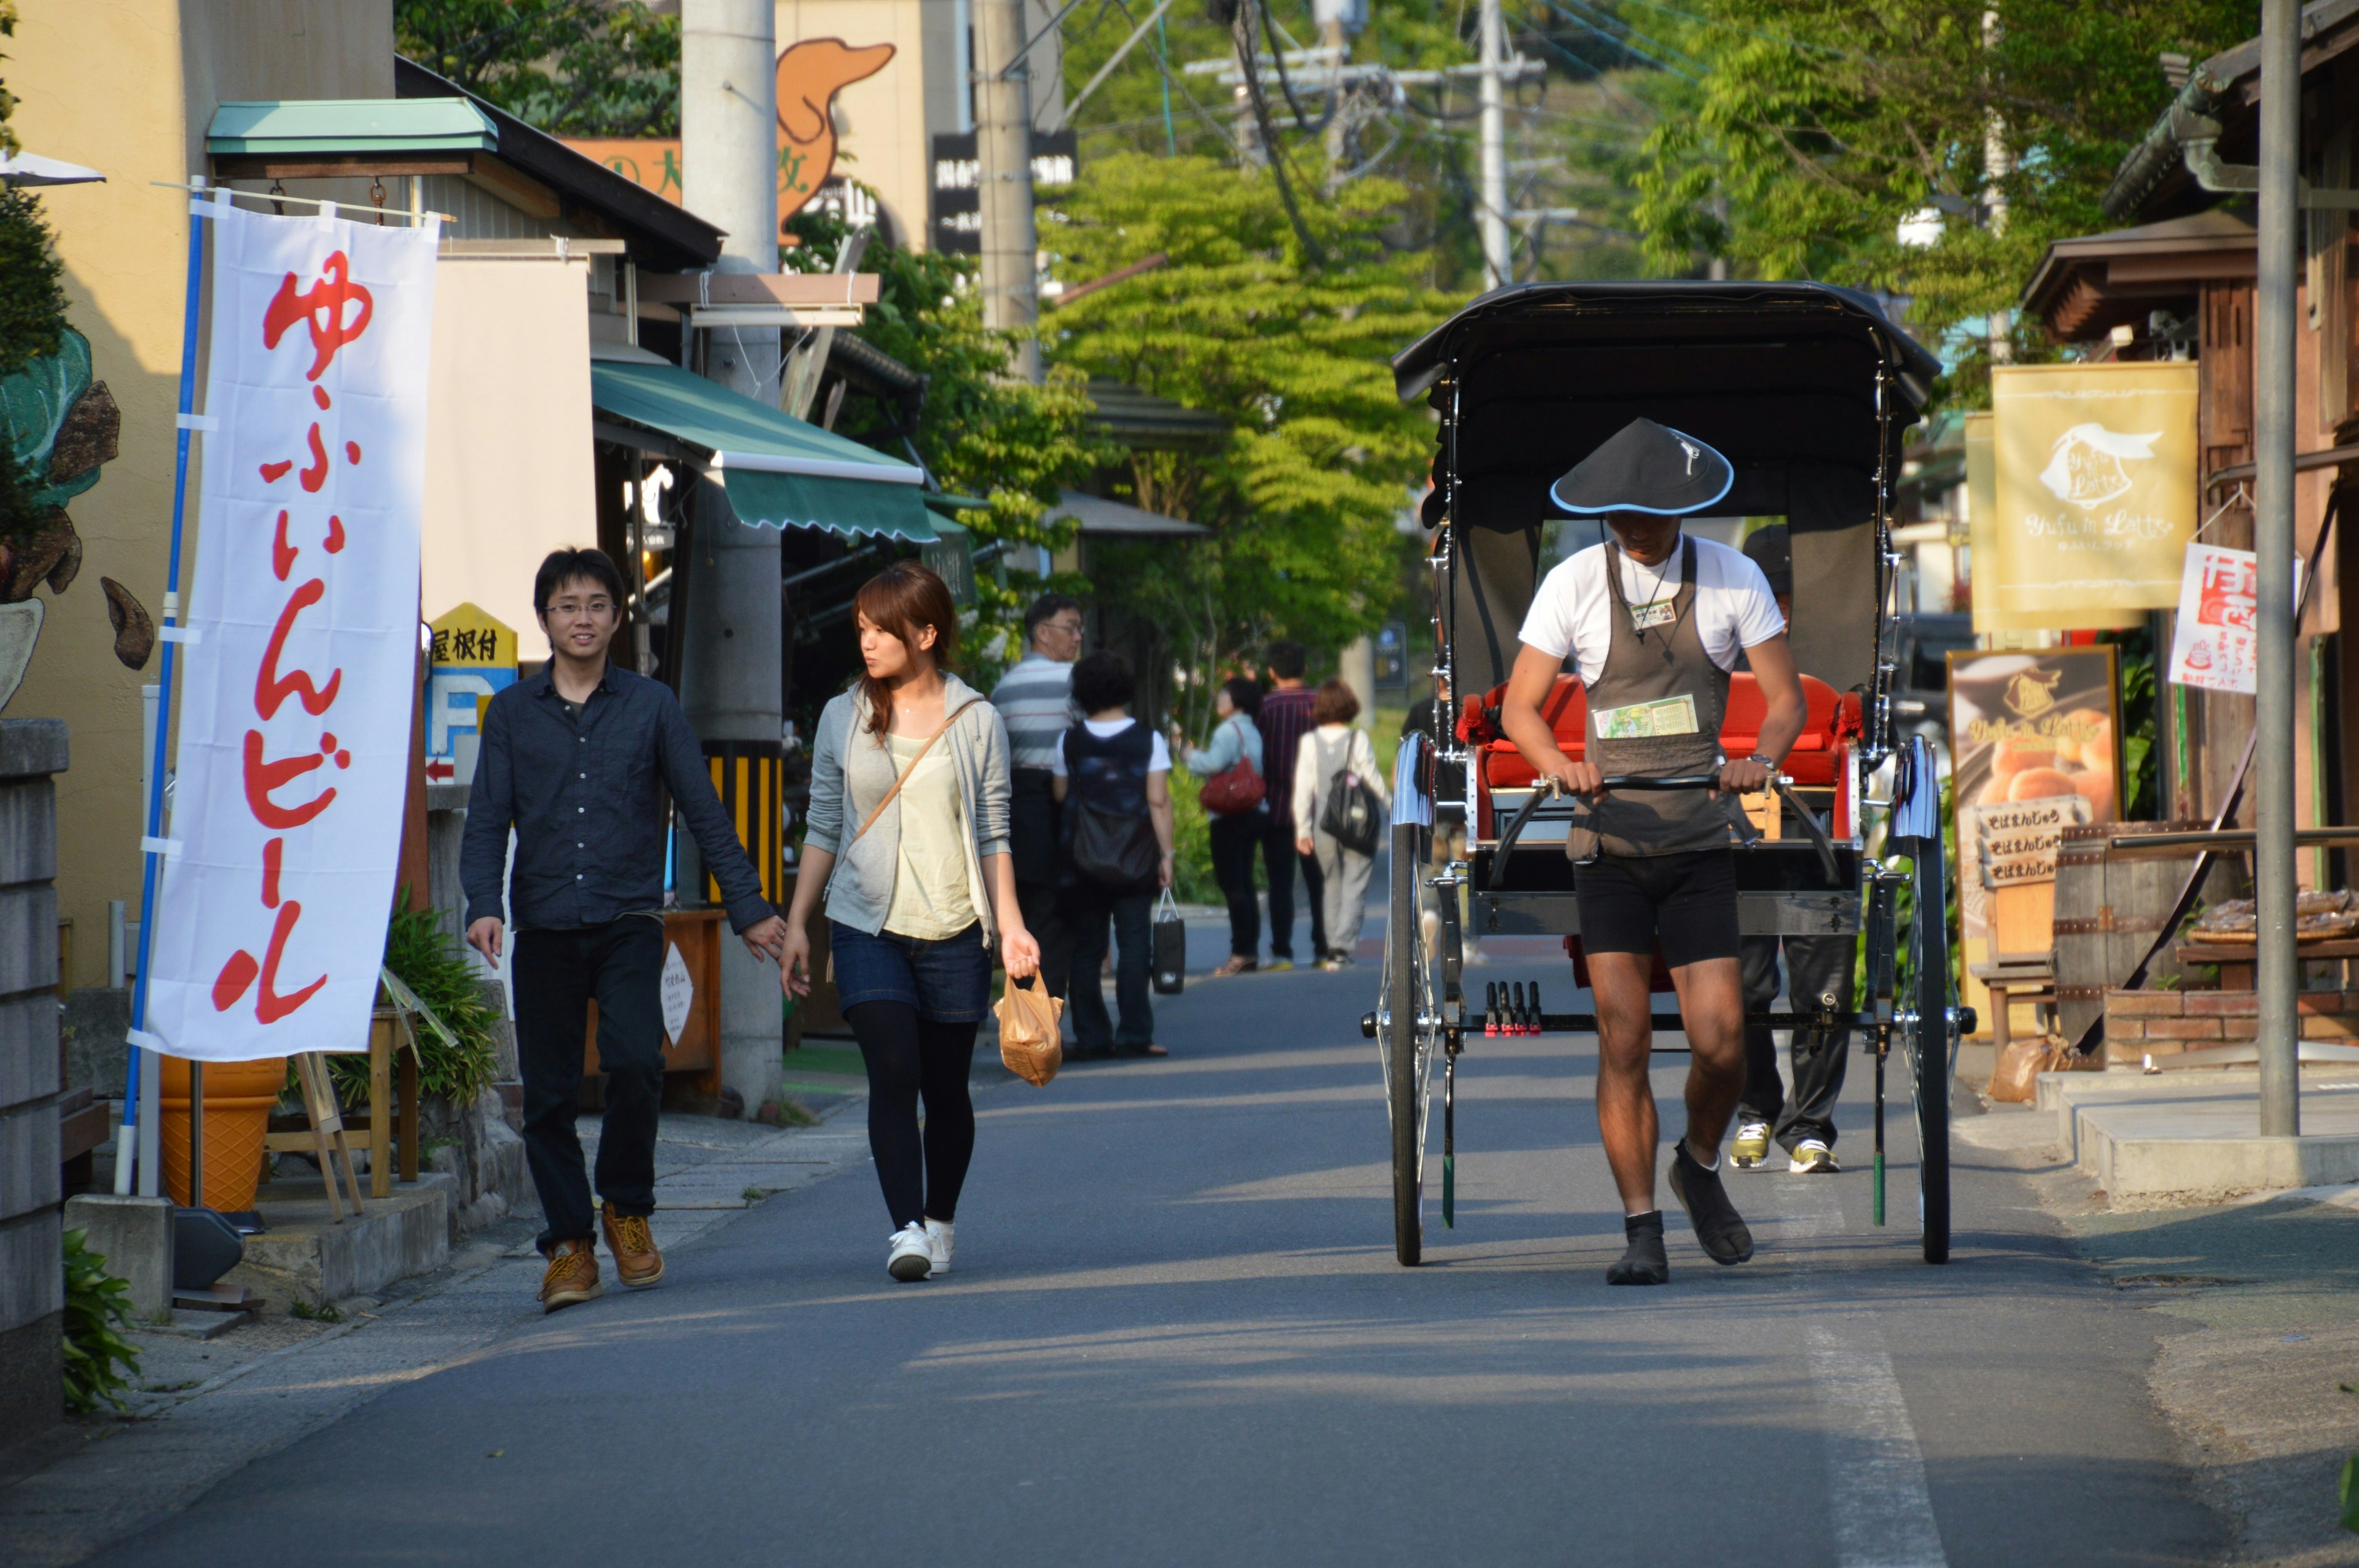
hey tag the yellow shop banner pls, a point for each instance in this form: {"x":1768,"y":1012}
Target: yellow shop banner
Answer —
{"x":2095,"y":489}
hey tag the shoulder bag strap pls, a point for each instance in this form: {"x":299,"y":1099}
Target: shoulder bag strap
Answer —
{"x":904,"y":778}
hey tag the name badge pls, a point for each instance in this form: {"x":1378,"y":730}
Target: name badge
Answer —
{"x":1661,"y":612}
{"x":1647,"y":720}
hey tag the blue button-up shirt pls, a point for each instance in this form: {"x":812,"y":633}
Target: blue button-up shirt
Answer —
{"x":585,"y":796}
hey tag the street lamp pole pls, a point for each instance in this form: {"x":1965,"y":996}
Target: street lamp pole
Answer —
{"x":1003,"y":145}
{"x":2275,"y":973}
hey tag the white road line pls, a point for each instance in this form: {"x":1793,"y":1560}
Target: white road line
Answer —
{"x":1876,"y":1496}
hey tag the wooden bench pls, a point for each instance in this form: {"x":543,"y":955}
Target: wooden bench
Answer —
{"x":2011,"y":979}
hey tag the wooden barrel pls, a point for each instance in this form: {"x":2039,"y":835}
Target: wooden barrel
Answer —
{"x":2110,"y":906}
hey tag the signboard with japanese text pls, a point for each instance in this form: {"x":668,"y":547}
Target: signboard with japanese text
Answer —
{"x":2094,"y":492}
{"x":300,"y":688}
{"x":2215,"y":641}
{"x":472,"y":659}
{"x":2034,"y":749}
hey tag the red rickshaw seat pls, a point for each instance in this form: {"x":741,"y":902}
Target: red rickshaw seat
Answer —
{"x":1833,"y":717}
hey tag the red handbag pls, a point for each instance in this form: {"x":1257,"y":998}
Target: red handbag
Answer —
{"x":1235,"y":790}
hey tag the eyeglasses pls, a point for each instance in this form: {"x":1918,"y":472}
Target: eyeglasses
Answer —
{"x":580,"y":607}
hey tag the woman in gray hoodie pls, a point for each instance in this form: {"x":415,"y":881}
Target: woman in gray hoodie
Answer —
{"x":907,"y":839}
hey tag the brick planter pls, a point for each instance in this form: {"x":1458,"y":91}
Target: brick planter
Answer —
{"x":2158,"y":1023}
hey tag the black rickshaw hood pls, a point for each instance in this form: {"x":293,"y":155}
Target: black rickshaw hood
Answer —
{"x":1669,"y":308}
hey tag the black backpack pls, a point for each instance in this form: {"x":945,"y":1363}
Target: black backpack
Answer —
{"x":1109,"y":838}
{"x":1352,"y":816}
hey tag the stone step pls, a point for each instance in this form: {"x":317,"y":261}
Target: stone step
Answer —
{"x":306,"y":1255}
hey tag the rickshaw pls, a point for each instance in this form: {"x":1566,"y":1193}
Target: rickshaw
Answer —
{"x":1807,"y":389}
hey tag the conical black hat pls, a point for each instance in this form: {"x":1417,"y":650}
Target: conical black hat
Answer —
{"x":1645,"y":467}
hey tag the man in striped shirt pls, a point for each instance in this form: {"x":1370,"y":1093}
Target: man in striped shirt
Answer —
{"x":1035,"y":699}
{"x":1284,"y":720}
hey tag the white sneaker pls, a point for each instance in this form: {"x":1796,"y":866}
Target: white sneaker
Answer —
{"x":938,"y":1241}
{"x":1752,"y":1145}
{"x":1812,"y":1158}
{"x":912,"y":1254}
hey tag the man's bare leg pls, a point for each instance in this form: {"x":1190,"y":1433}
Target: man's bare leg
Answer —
{"x":1626,"y":1099}
{"x":1712,"y":1011}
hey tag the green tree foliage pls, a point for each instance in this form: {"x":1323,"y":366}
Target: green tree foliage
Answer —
{"x":97,"y":1306}
{"x":8,"y":142}
{"x":573,"y":68}
{"x":1801,"y":132}
{"x":1015,"y":445}
{"x":32,"y":300}
{"x":1322,"y":456}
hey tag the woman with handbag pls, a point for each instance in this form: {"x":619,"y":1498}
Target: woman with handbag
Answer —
{"x":1113,"y":776}
{"x":1233,"y":797}
{"x":1336,"y":785}
{"x":907,"y":839}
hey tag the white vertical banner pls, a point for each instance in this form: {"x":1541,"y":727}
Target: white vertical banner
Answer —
{"x":296,"y":707}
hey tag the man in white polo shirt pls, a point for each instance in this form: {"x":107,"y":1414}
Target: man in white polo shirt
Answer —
{"x":1652,"y":621}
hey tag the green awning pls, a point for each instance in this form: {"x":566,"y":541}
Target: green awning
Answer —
{"x":380,"y":125}
{"x":779,"y":471}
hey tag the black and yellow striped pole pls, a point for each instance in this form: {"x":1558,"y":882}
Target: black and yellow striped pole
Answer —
{"x":750,"y":778}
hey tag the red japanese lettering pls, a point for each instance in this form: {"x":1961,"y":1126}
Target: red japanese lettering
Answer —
{"x":315,"y":473}
{"x":322,"y":309}
{"x":335,"y":533}
{"x":282,"y":554}
{"x":265,"y":778}
{"x":272,"y":472}
{"x":270,"y":688}
{"x":241,"y":971}
{"x":274,"y":857}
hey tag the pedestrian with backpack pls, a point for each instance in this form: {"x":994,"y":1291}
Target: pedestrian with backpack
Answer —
{"x":1114,"y":783}
{"x":1338,"y":815}
{"x":1234,"y":797}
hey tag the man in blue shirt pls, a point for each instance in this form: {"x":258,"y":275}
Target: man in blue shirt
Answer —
{"x":577,"y":758}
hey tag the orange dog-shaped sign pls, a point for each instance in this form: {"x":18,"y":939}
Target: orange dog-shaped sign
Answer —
{"x":810,"y":73}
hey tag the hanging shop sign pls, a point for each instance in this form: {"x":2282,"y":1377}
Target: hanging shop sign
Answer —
{"x":302,"y":632}
{"x":2034,"y":749}
{"x":2092,"y":494}
{"x":474,"y":659}
{"x":2215,"y":639}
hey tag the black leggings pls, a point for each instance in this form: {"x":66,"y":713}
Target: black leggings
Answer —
{"x":908,"y":1056}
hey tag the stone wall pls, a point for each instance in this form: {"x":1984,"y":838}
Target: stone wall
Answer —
{"x":32,"y":1273}
{"x":2144,"y":1024}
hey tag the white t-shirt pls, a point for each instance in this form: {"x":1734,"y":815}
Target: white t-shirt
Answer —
{"x":1106,"y":730}
{"x":1572,"y":612}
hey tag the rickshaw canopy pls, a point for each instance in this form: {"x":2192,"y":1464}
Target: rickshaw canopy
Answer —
{"x":1805,"y":387}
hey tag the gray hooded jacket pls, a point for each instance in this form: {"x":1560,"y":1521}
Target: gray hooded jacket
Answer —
{"x":851,"y":770}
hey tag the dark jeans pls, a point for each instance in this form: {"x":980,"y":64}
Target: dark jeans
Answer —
{"x":1816,"y":967}
{"x":1092,"y":910}
{"x":556,"y":975}
{"x":1278,"y":858}
{"x":1234,"y":839}
{"x":908,"y":1057}
{"x":1043,"y":905}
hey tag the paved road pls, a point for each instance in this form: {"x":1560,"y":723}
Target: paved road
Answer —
{"x":1176,"y":1335}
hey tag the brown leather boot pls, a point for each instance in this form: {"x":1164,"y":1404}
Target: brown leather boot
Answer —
{"x":571,"y":1276}
{"x":636,"y":1263}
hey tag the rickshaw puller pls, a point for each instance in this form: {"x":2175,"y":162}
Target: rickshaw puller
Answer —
{"x":1653,"y":623}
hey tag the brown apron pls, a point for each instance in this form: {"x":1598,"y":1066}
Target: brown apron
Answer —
{"x":1655,"y":710}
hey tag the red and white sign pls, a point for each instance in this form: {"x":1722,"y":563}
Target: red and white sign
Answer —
{"x":2218,"y":630}
{"x":296,"y":705}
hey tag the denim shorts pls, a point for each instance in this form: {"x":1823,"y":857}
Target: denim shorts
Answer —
{"x":948,"y":981}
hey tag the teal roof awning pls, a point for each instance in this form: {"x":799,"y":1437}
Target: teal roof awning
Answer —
{"x":350,"y":125}
{"x":779,"y":471}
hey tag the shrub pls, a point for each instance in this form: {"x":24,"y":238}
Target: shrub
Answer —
{"x":96,"y":1303}
{"x":455,"y":1026}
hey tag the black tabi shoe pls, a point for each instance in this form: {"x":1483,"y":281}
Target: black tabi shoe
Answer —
{"x":1643,"y":1263}
{"x":1717,"y":1224}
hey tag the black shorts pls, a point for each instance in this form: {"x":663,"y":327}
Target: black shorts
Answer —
{"x":1687,"y":902}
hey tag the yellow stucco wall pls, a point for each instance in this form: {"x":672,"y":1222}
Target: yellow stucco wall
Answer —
{"x":128,"y":87}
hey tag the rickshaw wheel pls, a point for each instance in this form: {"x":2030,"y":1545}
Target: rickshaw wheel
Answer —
{"x":1929,"y":1039}
{"x":1407,"y":1060}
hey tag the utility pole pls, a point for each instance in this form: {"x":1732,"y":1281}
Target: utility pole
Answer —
{"x":1492,"y":220}
{"x":1996,"y":166}
{"x":1003,"y":140}
{"x":2275,"y":972}
{"x":729,"y":681}
{"x":1337,"y":43}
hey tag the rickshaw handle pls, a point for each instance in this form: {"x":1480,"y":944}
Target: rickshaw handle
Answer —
{"x":1548,"y":788}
